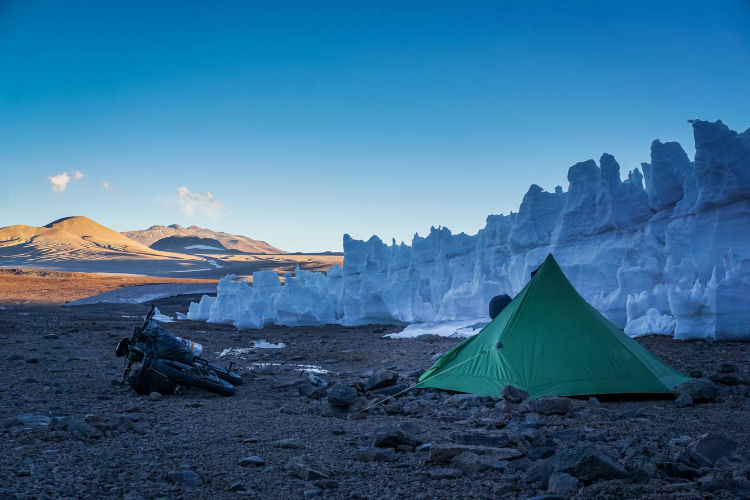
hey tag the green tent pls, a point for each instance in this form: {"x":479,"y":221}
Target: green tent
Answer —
{"x":550,"y":341}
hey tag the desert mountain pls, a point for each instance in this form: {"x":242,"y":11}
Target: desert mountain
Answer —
{"x":230,"y":241}
{"x":188,"y":244}
{"x":72,"y":238}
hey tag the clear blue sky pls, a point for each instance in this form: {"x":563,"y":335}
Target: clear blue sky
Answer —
{"x":306,"y":120}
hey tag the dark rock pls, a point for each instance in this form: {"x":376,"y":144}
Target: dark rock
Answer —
{"x":391,"y":390}
{"x":683,"y":400}
{"x":391,"y":437}
{"x":185,"y":478}
{"x":14,"y":357}
{"x":471,"y":463}
{"x":298,"y":468}
{"x":312,"y":391}
{"x":341,"y":395}
{"x":588,"y":464}
{"x":481,"y":438}
{"x":381,"y":378}
{"x":466,"y":400}
{"x":571,"y":435}
{"x":551,"y":405}
{"x":373,"y":454}
{"x":540,"y":452}
{"x":630,"y":414}
{"x":441,"y":453}
{"x":702,"y":390}
{"x":394,"y":408}
{"x":727,"y":368}
{"x":288,"y":443}
{"x":326,"y":484}
{"x":237,"y":486}
{"x":311,"y":492}
{"x":695,"y":373}
{"x":727,"y":378}
{"x":514,"y":394}
{"x":562,"y":483}
{"x":444,"y":473}
{"x":80,"y":428}
{"x":252,"y":460}
{"x":27,"y":420}
{"x":155,"y":396}
{"x":713,"y":446}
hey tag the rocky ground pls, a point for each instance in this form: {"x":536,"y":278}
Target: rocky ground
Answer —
{"x":69,"y":431}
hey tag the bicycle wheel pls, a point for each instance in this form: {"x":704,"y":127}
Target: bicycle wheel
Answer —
{"x":191,"y":376}
{"x":224,"y":374}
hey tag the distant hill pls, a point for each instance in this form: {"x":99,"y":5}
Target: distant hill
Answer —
{"x":229,"y":241}
{"x":72,"y":238}
{"x":188,"y":244}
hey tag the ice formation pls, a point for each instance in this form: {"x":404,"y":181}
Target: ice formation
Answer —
{"x":671,"y":258}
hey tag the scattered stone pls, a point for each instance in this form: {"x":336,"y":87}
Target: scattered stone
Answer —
{"x":514,"y":394}
{"x":155,"y":396}
{"x":391,"y":390}
{"x":444,"y":473}
{"x":80,"y":428}
{"x":288,"y":443}
{"x":312,"y":391}
{"x":337,"y":430}
{"x":341,"y":395}
{"x":392,"y":437}
{"x":695,"y":373}
{"x":252,"y":460}
{"x":471,"y":463}
{"x":446,"y":452}
{"x":14,"y":357}
{"x":463,"y":401}
{"x":381,"y":378}
{"x":482,"y":438}
{"x":326,"y":484}
{"x":311,"y":493}
{"x":551,"y":405}
{"x":298,"y":468}
{"x":436,"y":356}
{"x":185,"y":478}
{"x":373,"y":454}
{"x":562,"y":483}
{"x":394,"y":408}
{"x":237,"y":486}
{"x":702,"y":390}
{"x":683,"y":400}
{"x":713,"y":446}
{"x":26,"y":420}
{"x":727,"y":378}
{"x":727,"y":368}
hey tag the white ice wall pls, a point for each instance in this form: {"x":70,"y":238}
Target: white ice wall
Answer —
{"x":670,"y":258}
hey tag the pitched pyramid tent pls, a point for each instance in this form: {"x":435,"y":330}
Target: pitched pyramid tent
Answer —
{"x":550,"y":341}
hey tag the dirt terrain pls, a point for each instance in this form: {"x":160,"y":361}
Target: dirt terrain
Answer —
{"x":69,"y":431}
{"x":39,"y":287}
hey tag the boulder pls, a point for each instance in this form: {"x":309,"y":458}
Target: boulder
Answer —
{"x":713,"y":446}
{"x":380,"y":379}
{"x":702,"y":390}
{"x":442,"y":452}
{"x":551,"y":405}
{"x":298,"y":468}
{"x":341,"y":395}
{"x":514,"y":394}
{"x":683,"y":400}
{"x":394,"y":436}
{"x":471,"y":463}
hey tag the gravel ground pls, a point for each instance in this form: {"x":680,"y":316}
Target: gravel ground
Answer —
{"x":70,"y":431}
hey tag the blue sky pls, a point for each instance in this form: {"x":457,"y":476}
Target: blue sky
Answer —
{"x":307,"y":120}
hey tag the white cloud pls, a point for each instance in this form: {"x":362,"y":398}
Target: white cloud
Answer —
{"x":199,"y":202}
{"x":105,"y":185}
{"x":60,"y":181}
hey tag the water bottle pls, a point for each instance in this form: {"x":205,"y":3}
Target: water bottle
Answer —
{"x":193,"y":346}
{"x":314,"y":379}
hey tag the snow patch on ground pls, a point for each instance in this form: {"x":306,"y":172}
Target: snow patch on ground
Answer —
{"x":203,"y":247}
{"x":455,"y":329}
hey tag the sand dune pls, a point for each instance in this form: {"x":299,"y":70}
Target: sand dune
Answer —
{"x":79,"y":244}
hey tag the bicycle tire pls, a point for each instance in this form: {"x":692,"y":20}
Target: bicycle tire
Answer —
{"x":224,"y":374}
{"x":183,"y":374}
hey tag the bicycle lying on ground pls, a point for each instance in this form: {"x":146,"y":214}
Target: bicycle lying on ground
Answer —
{"x":164,"y":355}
